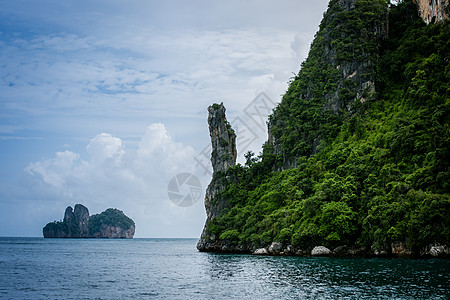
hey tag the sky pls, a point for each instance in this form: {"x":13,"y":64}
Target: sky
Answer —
{"x":104,"y":103}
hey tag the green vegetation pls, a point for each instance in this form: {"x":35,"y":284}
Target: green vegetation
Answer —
{"x":215,"y":106}
{"x":380,"y":173}
{"x":61,"y":227}
{"x":305,"y":115}
{"x":110,"y":217}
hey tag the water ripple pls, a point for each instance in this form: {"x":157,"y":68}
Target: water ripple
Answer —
{"x":173,"y":269}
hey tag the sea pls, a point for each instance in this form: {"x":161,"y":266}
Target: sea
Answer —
{"x":38,"y":268}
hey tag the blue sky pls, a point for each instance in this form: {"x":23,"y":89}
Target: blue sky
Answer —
{"x":103,"y":102}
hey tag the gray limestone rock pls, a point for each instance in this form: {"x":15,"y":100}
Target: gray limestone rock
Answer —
{"x":223,"y":139}
{"x":261,"y":251}
{"x":355,"y":74}
{"x":320,"y":251}
{"x":81,"y":214}
{"x":223,"y":156}
{"x":276,"y":247}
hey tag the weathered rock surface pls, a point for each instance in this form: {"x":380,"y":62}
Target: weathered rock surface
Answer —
{"x":261,"y":251}
{"x":223,"y":156}
{"x":275,"y":248}
{"x":77,"y":223}
{"x":400,"y":249}
{"x":320,"y":251}
{"x":436,"y":251}
{"x":114,"y":232}
{"x":354,"y":74}
{"x":223,"y":139}
{"x":81,"y":214}
{"x":433,"y":10}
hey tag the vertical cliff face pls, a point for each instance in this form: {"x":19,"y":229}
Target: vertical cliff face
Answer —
{"x":81,"y":214}
{"x":74,"y":225}
{"x":433,"y":10}
{"x":338,"y":76}
{"x":223,"y":139}
{"x":223,"y":156}
{"x":72,"y":229}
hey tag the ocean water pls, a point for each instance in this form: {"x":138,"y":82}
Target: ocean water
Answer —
{"x":37,"y":268}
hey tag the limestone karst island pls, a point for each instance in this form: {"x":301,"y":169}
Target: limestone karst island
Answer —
{"x":112,"y":223}
{"x":358,"y":153}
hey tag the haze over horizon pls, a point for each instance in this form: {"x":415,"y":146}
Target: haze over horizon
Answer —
{"x":104,"y":102}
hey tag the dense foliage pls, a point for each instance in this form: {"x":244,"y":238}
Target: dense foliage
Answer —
{"x":318,"y":100}
{"x":110,"y":217}
{"x":383,"y":174}
{"x":69,"y":229}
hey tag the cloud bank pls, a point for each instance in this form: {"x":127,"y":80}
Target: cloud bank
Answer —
{"x":80,"y":81}
{"x":112,"y":175}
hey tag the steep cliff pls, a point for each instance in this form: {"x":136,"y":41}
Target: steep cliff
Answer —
{"x":348,"y":171}
{"x":81,"y":214}
{"x":336,"y":78}
{"x":223,"y":157}
{"x":432,"y":11}
{"x":71,"y":224}
{"x":111,"y":223}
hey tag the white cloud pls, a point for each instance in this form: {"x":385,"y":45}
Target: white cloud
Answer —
{"x":105,"y":146}
{"x":114,"y":176}
{"x":71,"y":70}
{"x":54,"y":171}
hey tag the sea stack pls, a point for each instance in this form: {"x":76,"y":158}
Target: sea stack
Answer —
{"x":223,"y":156}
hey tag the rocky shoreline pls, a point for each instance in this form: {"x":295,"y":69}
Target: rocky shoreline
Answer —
{"x":223,"y":156}
{"x":397,"y":250}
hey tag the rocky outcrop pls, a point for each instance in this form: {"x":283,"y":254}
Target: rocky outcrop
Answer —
{"x":320,"y":251}
{"x":114,"y":232}
{"x":81,"y":214}
{"x":74,"y":224}
{"x":276,"y":248}
{"x":223,"y":139}
{"x":261,"y":251}
{"x":77,"y":223}
{"x":339,"y":76}
{"x":432,"y":11}
{"x":71,"y":224}
{"x":436,"y":251}
{"x":112,"y":223}
{"x":223,"y":156}
{"x":347,"y":48}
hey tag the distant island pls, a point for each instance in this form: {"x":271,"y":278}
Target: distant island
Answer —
{"x":112,"y":223}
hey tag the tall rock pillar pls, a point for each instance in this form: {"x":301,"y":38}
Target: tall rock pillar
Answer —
{"x":81,"y":214}
{"x":223,"y":156}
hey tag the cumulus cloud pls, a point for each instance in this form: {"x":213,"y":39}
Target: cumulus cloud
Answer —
{"x":72,"y":71}
{"x":105,"y":146}
{"x":131,"y":179}
{"x":54,"y":171}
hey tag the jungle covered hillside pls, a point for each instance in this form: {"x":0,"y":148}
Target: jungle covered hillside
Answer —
{"x":353,"y":159}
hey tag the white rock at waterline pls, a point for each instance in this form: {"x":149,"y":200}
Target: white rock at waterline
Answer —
{"x":320,"y":250}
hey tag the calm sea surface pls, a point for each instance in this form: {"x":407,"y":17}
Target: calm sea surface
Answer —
{"x":37,"y":268}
